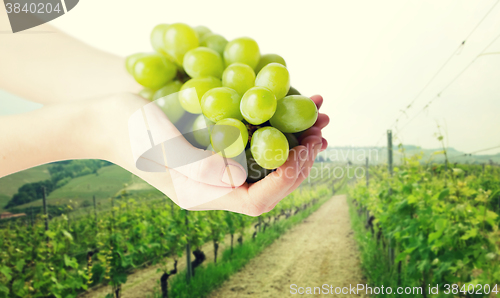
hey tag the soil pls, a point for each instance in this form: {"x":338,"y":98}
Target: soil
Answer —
{"x":321,"y":250}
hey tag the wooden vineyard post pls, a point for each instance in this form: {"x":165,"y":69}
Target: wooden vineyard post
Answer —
{"x":32,"y":220}
{"x":389,"y":155}
{"x":260,"y":223}
{"x":367,"y":178}
{"x":113,"y":207}
{"x":45,"y":214}
{"x":367,"y":184}
{"x":390,"y":252}
{"x":69,"y":222}
{"x":95,"y":213}
{"x":390,"y":165}
{"x":188,"y":252}
{"x":389,"y":150}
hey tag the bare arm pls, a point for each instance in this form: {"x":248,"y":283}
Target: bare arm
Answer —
{"x":52,"y":67}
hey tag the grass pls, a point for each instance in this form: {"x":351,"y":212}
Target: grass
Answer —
{"x":374,"y":258}
{"x":10,"y":184}
{"x":211,"y":276}
{"x":3,"y":201}
{"x":108,"y":183}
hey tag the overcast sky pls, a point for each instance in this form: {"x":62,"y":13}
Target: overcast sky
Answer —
{"x":369,"y":59}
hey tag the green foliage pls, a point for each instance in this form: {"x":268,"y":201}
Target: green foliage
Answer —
{"x":77,"y":252}
{"x":442,"y":225}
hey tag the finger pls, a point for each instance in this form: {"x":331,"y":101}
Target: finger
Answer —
{"x":259,"y":197}
{"x":195,"y":195}
{"x":322,"y":121}
{"x":312,"y":131}
{"x":318,"y":100}
{"x":324,"y":144}
{"x":274,"y":204}
{"x":267,"y":191}
{"x":313,"y":143}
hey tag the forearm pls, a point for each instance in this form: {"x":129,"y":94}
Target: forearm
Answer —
{"x":54,"y":67}
{"x":55,"y":132}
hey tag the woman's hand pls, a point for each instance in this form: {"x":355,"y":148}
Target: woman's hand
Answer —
{"x":206,"y":184}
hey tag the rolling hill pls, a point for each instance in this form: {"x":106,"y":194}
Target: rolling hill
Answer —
{"x":10,"y":184}
{"x":108,"y":182}
{"x":378,"y":155}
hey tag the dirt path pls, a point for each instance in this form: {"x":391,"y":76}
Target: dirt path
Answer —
{"x":321,"y":250}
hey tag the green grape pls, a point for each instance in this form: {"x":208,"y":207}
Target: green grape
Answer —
{"x":229,"y":137}
{"x":258,"y":105}
{"x":202,"y":62}
{"x":157,"y":38}
{"x":275,"y":77}
{"x":294,"y":113}
{"x":238,"y":76}
{"x":168,"y":89}
{"x":215,"y":42}
{"x":269,"y":147}
{"x":201,"y":31}
{"x":269,"y":58}
{"x":131,"y":60}
{"x":220,"y":103}
{"x":193,"y":90}
{"x":153,"y":71}
{"x":168,"y":100}
{"x":255,"y":172}
{"x":201,"y":130}
{"x":178,"y":40}
{"x":293,"y":91}
{"x":292,"y":140}
{"x":244,"y":50}
{"x":147,"y":93}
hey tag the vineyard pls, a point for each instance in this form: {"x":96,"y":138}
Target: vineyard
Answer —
{"x":66,"y":256}
{"x":430,"y":224}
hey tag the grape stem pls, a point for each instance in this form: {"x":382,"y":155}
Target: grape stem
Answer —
{"x":251,"y":129}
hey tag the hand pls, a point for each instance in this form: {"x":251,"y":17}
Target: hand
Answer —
{"x":205,"y":183}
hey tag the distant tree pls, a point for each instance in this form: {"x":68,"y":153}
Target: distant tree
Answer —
{"x":320,"y":158}
{"x":60,"y":174}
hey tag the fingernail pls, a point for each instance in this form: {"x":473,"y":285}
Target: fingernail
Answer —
{"x":302,"y":157}
{"x":234,"y":176}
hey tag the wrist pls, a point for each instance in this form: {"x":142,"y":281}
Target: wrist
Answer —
{"x":53,"y":133}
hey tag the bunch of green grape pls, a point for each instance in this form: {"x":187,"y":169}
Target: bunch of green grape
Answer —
{"x":241,"y":101}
